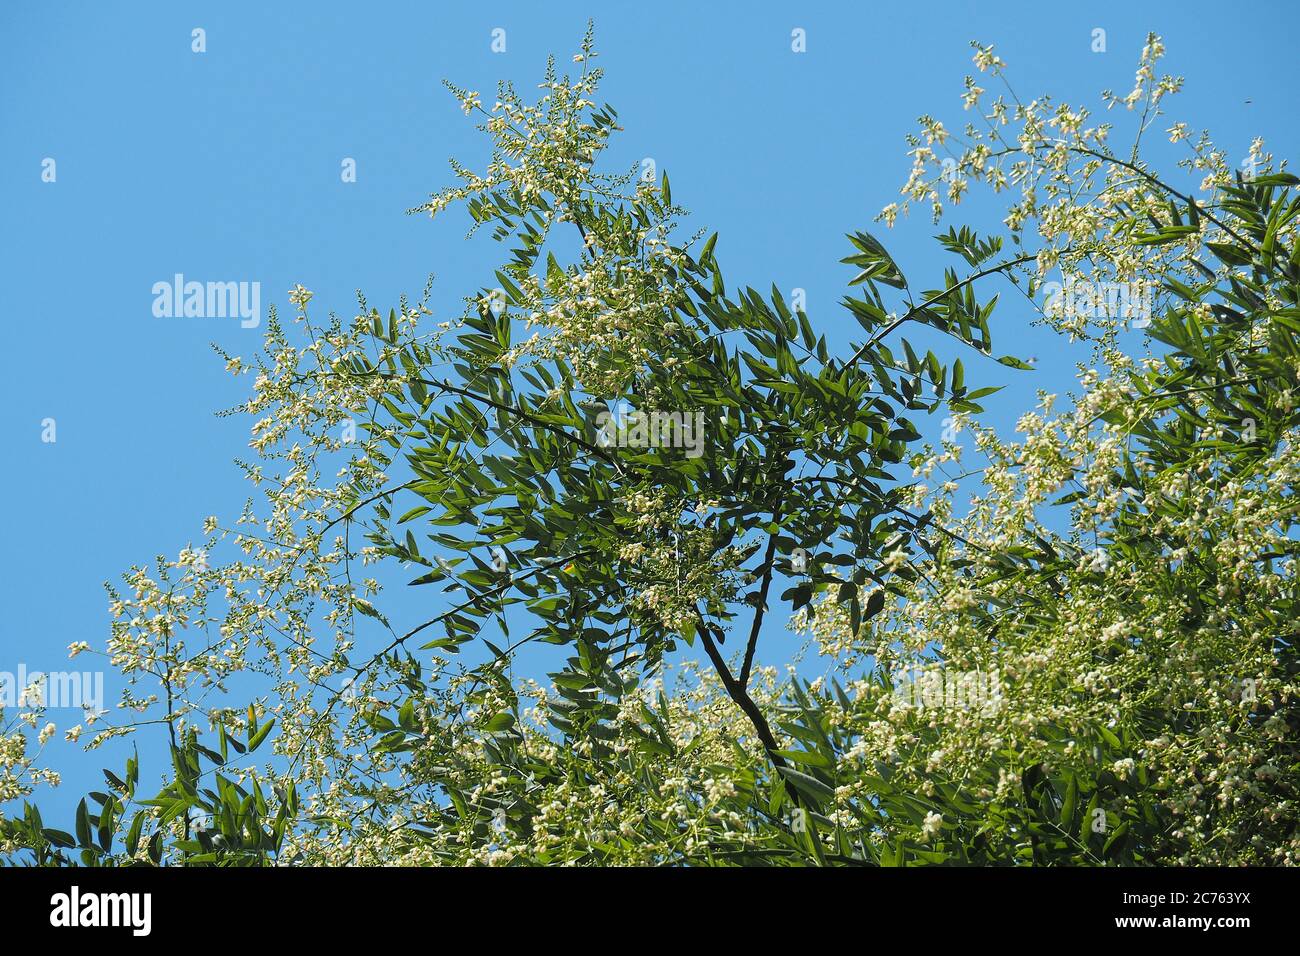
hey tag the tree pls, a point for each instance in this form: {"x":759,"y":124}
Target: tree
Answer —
{"x":612,"y":454}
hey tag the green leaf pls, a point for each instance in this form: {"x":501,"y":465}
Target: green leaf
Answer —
{"x":809,"y":786}
{"x":133,"y":834}
{"x":875,"y":604}
{"x":1070,"y":802}
{"x":256,"y":740}
{"x":369,"y":610}
{"x":1115,"y":843}
{"x":83,"y":824}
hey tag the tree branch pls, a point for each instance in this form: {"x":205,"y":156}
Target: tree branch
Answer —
{"x":740,"y":695}
{"x":761,"y":608}
{"x":911,"y":313}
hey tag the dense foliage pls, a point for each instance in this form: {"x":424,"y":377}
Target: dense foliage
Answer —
{"x":1079,"y":649}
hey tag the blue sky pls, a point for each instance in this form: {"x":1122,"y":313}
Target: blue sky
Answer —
{"x":225,"y":165}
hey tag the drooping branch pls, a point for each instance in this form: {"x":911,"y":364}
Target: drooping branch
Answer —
{"x":740,"y":695}
{"x":760,"y":608}
{"x":939,"y":297}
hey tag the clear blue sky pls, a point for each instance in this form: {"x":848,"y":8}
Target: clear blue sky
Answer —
{"x":226,"y":166}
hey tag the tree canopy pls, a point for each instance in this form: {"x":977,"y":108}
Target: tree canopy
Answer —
{"x":1079,"y":649}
